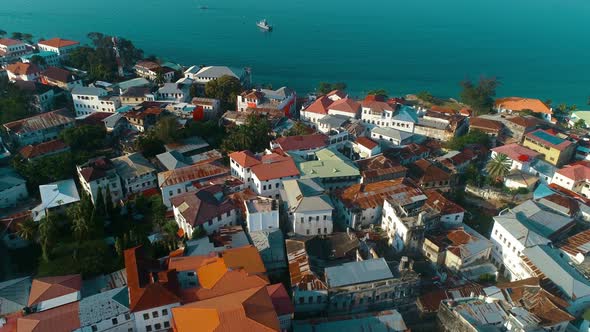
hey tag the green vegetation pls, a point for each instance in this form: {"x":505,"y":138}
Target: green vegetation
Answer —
{"x":208,"y":130}
{"x":580,"y":124}
{"x":167,"y":129}
{"x":48,"y":169}
{"x":100,"y":61}
{"x":499,"y":166}
{"x":14,"y":103}
{"x":85,"y":137}
{"x":378,"y":92}
{"x":425,"y":96}
{"x":298,"y":129}
{"x":37,"y":60}
{"x":325,"y":87}
{"x":479,"y":96}
{"x":253,"y":136}
{"x":473,"y":137}
{"x":226,"y":89}
{"x":149,"y":145}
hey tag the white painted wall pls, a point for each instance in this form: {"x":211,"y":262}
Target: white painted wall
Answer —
{"x":259,"y":221}
{"x":313,"y":223}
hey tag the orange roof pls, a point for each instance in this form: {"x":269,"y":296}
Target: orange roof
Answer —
{"x":48,"y":288}
{"x":305,"y":142}
{"x":366,"y":142}
{"x":58,"y":42}
{"x":20,"y":68}
{"x":247,"y":258}
{"x":320,"y":106}
{"x":269,"y":166}
{"x":244,"y":158}
{"x":521,"y":104}
{"x":485,"y":124}
{"x":373,"y":194}
{"x":62,"y":318}
{"x":32,"y":151}
{"x":190,"y":173}
{"x":9,"y":42}
{"x":425,"y":171}
{"x":440,"y":203}
{"x":445,"y":110}
{"x":247,"y":310}
{"x":346,"y":105}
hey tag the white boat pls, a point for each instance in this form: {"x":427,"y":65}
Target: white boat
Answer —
{"x":264,"y":25}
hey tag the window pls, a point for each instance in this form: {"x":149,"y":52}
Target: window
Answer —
{"x":155,"y":314}
{"x":301,"y":300}
{"x":277,"y":185}
{"x":158,"y":326}
{"x":127,"y":317}
{"x":165,"y":311}
{"x":94,"y":328}
{"x":148,"y":328}
{"x":319,"y":231}
{"x":317,"y":218}
{"x":166,"y":324}
{"x":307,"y":231}
{"x":325,"y":230}
{"x":319,"y":299}
{"x":210,"y":222}
{"x":325,"y":217}
{"x":114,"y":321}
{"x":302,"y":220}
{"x":310,"y":299}
{"x":146,"y":316}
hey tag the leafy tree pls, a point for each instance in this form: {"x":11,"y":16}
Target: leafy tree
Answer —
{"x":15,"y":104}
{"x":425,"y":96}
{"x":499,"y":166}
{"x":47,"y":234}
{"x":199,"y":232}
{"x":226,"y":89}
{"x":149,"y":145}
{"x":167,"y":129}
{"x":28,"y":37}
{"x":17,"y":35}
{"x":37,"y":60}
{"x":473,"y":137}
{"x":193,"y":91}
{"x":84,"y":137}
{"x":2,"y":33}
{"x":27,"y":230}
{"x":580,"y":124}
{"x":298,"y":129}
{"x":254,"y":135}
{"x":479,"y":96}
{"x":210,"y":130}
{"x":325,"y":87}
{"x":159,"y":77}
{"x":378,"y":92}
{"x":80,"y":215}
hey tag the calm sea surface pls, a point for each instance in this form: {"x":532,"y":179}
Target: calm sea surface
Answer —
{"x":537,"y":48}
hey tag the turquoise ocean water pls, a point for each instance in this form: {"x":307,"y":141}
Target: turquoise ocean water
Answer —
{"x":537,"y":48}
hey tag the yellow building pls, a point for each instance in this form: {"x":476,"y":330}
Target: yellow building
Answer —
{"x":557,"y":151}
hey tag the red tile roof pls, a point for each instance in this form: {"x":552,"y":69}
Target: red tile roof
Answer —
{"x":486,"y":125}
{"x":577,"y":172}
{"x":59,"y":74}
{"x":306,"y":142}
{"x":516,"y":152}
{"x":377,"y":106}
{"x":275,"y":165}
{"x":48,"y":288}
{"x":244,"y":158}
{"x":10,"y":42}
{"x":20,"y":68}
{"x":41,"y":149}
{"x":62,"y":318}
{"x":96,"y":168}
{"x":367,"y":142}
{"x":58,"y":42}
{"x":198,"y":207}
{"x":191,"y":173}
{"x":440,"y":203}
{"x":522,"y":121}
{"x":320,"y":106}
{"x":425,"y":171}
{"x":280,"y":299}
{"x":373,"y":194}
{"x":521,"y":104}
{"x":347,"y":105}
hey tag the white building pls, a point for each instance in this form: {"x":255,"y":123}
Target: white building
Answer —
{"x":181,"y":180}
{"x":391,"y":136}
{"x":174,"y":92}
{"x":210,"y":73}
{"x":282,"y":99}
{"x":13,"y":188}
{"x":524,"y":226}
{"x":309,"y":208}
{"x":154,"y":319}
{"x":137,"y":173}
{"x":319,"y":108}
{"x":520,"y":158}
{"x":57,"y":45}
{"x":261,"y":214}
{"x":88,"y":100}
{"x":150,"y":70}
{"x":23,"y":71}
{"x":39,"y":128}
{"x":114,"y":316}
{"x":263,"y":174}
{"x":207,"y":208}
{"x":575,"y":178}
{"x":211,"y":107}
{"x":12,"y":48}
{"x":55,"y":196}
{"x":366,"y":148}
{"x":100,"y":174}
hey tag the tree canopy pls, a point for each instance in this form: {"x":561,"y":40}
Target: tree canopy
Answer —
{"x":499,"y":166}
{"x":84,"y":137}
{"x":325,"y":87}
{"x":14,"y":102}
{"x":480,"y":96}
{"x":226,"y":89}
{"x":254,"y":135}
{"x":298,"y":129}
{"x":473,"y":137}
{"x":167,"y":129}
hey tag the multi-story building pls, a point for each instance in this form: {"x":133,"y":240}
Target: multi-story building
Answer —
{"x":451,"y":213}
{"x":524,"y":226}
{"x":210,"y":73}
{"x":174,"y":92}
{"x":136,"y":95}
{"x":61,"y":47}
{"x":309,"y":209}
{"x":429,"y":176}
{"x":88,"y":100}
{"x":137,"y":173}
{"x":440,"y":126}
{"x":308,"y":143}
{"x":575,"y":177}
{"x":23,"y":72}
{"x":55,"y":198}
{"x":320,"y":107}
{"x":519,"y":157}
{"x":100,"y":174}
{"x":151,"y":70}
{"x":282,"y":99}
{"x":207,"y":209}
{"x":380,"y":168}
{"x":144,"y":118}
{"x":261,"y":214}
{"x":330,"y":167}
{"x":513,"y":105}
{"x":555,"y":150}
{"x":210,"y":106}
{"x":181,"y":180}
{"x":41,"y":96}
{"x":61,"y":78}
{"x":11,"y":49}
{"x":13,"y":188}
{"x":392,"y":136}
{"x":50,"y":58}
{"x":39,"y":128}
{"x":263,"y":174}
{"x":371,"y":285}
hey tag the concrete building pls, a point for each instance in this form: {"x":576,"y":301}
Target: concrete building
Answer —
{"x":440,"y":126}
{"x":271,"y":246}
{"x":209,"y":73}
{"x":371,"y":285}
{"x":556,"y":150}
{"x":429,"y":176}
{"x":262,"y":214}
{"x":55,"y":197}
{"x":62,"y":47}
{"x":100,"y":174}
{"x":11,"y":49}
{"x":391,"y":136}
{"x":520,"y":158}
{"x":514,"y":105}
{"x":524,"y":226}
{"x":207,"y":209}
{"x":151,"y":70}
{"x":39,"y":128}
{"x":173,"y":92}
{"x":88,"y":100}
{"x":309,"y":209}
{"x":282,"y":99}
{"x":137,"y":173}
{"x":388,"y":320}
{"x":50,"y":58}
{"x":575,"y":178}
{"x":60,"y":78}
{"x":23,"y":72}
{"x":330,"y":167}
{"x":13,"y":188}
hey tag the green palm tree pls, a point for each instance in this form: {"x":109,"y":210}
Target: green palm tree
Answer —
{"x":27,"y":230}
{"x":47,"y":228}
{"x":499,"y":166}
